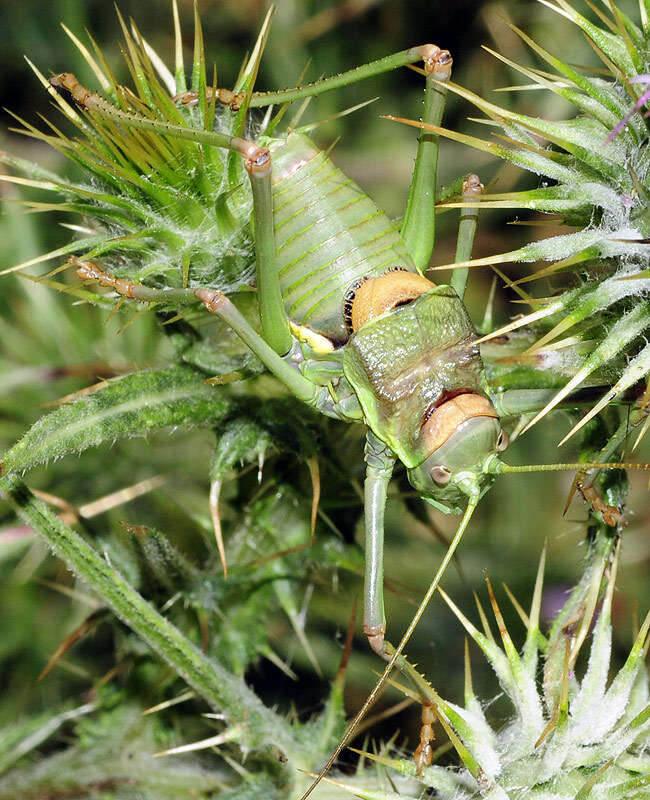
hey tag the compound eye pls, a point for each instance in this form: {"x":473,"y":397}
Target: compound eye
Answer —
{"x":440,"y":474}
{"x":503,"y":441}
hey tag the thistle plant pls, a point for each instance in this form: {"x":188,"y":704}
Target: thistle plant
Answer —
{"x":167,"y":226}
{"x":594,"y":174}
{"x":568,"y":737}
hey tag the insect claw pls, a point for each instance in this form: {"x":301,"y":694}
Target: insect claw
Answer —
{"x":423,"y":755}
{"x":611,"y":515}
{"x":67,"y":82}
{"x":215,"y":491}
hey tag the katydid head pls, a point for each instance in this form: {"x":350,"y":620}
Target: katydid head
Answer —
{"x":463,"y":435}
{"x":419,"y":378}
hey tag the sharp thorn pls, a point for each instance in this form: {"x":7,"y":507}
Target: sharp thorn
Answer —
{"x":314,"y":473}
{"x":215,"y":491}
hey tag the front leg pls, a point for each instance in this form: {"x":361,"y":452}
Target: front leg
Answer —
{"x":380,"y":461}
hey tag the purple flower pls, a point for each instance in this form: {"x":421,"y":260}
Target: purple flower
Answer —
{"x":628,"y":202}
{"x":645,"y":80}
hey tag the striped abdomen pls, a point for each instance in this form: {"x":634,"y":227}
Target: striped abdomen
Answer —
{"x":329,"y":234}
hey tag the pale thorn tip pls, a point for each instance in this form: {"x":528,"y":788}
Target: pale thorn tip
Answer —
{"x":215,"y":491}
{"x":314,"y":474}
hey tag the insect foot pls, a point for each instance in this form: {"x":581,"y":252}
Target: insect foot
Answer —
{"x":89,"y":272}
{"x":423,"y":755}
{"x":69,"y":83}
{"x":227,"y":98}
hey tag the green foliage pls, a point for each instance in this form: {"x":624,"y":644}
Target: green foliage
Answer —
{"x":568,"y":738}
{"x":172,"y":214}
{"x":600,"y":183}
{"x":133,"y":405}
{"x":112,"y":757}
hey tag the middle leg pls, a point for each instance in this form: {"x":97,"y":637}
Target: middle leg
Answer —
{"x":380,"y":461}
{"x":419,"y":226}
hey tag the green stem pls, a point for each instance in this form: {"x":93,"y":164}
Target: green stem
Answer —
{"x":210,"y":680}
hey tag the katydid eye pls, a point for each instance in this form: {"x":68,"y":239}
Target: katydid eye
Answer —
{"x":503,"y":441}
{"x":440,"y":474}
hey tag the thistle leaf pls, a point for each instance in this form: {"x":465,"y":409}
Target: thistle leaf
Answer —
{"x":24,"y":736}
{"x":636,"y":370}
{"x":597,"y":90}
{"x":610,"y":44}
{"x":493,"y":653}
{"x":622,"y":333}
{"x":591,"y":726}
{"x":168,"y":565}
{"x":133,"y":405}
{"x":221,"y":689}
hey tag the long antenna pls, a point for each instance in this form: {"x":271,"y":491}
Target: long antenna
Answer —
{"x":578,"y":465}
{"x":471,"y":506}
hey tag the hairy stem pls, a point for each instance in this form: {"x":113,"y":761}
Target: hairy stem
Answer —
{"x":218,"y":687}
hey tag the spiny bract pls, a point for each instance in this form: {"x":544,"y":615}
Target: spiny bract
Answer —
{"x":595,"y":169}
{"x":159,"y":210}
{"x":569,"y":738}
{"x":171,"y":213}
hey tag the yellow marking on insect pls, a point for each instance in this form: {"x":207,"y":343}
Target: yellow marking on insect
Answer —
{"x":317,"y":342}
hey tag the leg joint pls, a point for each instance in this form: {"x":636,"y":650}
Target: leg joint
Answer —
{"x":437,"y":62}
{"x":212,"y":299}
{"x":376,"y":634}
{"x":257,"y":160}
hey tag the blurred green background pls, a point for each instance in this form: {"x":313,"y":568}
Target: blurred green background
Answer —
{"x":49,"y":346}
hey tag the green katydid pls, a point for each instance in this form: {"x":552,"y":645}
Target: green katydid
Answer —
{"x":349,"y":323}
